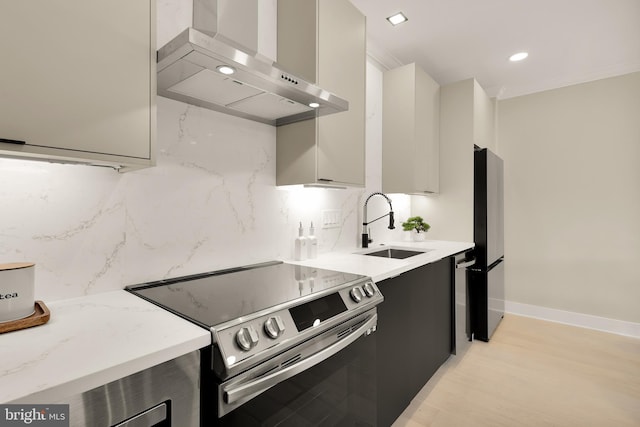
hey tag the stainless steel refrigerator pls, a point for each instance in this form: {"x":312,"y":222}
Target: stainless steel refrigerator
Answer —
{"x":486,"y":278}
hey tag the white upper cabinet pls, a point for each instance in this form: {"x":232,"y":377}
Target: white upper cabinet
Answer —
{"x":78,"y":81}
{"x":410,"y":131}
{"x":324,"y":41}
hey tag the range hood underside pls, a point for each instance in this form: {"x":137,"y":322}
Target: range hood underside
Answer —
{"x":257,"y":91}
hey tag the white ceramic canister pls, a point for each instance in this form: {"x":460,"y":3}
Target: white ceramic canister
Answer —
{"x":16,"y":291}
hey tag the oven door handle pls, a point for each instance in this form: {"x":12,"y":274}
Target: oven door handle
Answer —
{"x":234,"y":393}
{"x":466,"y":263}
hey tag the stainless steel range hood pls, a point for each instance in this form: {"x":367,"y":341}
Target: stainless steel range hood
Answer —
{"x":188,"y":71}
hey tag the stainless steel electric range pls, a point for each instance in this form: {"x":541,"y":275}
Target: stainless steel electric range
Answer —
{"x":291,"y":344}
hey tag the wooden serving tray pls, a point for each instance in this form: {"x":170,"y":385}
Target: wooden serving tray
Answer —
{"x":40,"y":317}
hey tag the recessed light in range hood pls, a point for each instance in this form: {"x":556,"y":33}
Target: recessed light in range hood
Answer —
{"x":258,"y":90}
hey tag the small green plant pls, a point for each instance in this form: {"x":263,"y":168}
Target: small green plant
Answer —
{"x":415,"y":223}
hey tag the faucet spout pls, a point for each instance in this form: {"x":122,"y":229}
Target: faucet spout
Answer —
{"x":365,"y":223}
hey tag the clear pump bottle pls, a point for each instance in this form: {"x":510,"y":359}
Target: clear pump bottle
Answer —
{"x":312,"y":243}
{"x":300,"y":248}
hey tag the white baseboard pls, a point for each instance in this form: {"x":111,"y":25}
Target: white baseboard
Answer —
{"x":614,"y":326}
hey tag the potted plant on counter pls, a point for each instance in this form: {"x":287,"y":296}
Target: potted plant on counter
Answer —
{"x":417,"y":226}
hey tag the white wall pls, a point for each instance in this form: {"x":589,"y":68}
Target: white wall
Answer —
{"x":572,"y":197}
{"x":484,"y":118}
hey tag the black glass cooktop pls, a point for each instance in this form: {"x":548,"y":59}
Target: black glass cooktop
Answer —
{"x":213,"y":298}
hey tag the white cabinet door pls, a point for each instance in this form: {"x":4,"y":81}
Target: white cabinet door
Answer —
{"x":78,"y":80}
{"x":410,"y":132}
{"x":324,"y":41}
{"x":342,"y":70}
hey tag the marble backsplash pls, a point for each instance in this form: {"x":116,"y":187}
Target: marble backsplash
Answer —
{"x":210,"y":203}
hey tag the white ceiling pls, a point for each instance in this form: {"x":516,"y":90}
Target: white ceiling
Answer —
{"x":569,"y":41}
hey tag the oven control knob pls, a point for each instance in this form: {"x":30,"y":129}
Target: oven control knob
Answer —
{"x":247,"y":338}
{"x":369,"y":290}
{"x":274,"y":327}
{"x":356,"y":294}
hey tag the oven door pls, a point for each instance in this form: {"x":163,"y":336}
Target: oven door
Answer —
{"x":328,"y":381}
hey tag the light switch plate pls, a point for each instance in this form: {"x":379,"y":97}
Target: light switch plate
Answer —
{"x":331,"y":218}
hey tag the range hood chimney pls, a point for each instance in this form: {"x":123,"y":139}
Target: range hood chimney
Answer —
{"x":190,"y":70}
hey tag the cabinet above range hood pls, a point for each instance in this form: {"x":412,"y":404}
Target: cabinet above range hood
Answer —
{"x":190,"y":69}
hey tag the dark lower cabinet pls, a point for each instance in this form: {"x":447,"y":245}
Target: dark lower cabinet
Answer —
{"x":414,"y":334}
{"x":393,"y":372}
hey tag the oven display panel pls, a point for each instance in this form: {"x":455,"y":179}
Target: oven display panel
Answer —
{"x":317,"y":311}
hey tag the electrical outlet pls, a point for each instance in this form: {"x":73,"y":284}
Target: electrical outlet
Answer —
{"x":331,"y":218}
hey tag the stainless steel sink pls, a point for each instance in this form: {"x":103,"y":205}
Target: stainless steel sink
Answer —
{"x":396,"y":253}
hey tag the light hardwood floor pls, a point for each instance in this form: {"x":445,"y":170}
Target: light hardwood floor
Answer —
{"x":535,"y":373}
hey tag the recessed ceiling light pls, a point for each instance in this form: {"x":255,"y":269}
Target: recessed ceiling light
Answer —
{"x":398,"y":18}
{"x":518,"y":56}
{"x":225,"y":69}
{"x":314,"y":105}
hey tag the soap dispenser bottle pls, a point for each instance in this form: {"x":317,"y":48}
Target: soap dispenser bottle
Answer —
{"x":312,"y":243}
{"x":300,"y":249}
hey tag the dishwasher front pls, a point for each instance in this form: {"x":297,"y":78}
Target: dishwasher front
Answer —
{"x":463,"y":328}
{"x":165,"y":395}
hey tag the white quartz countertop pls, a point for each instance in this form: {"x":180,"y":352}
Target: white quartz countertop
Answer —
{"x":383,"y":268}
{"x":90,"y":341}
{"x":93,"y":340}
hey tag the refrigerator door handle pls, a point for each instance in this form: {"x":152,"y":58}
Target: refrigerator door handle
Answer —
{"x":466,"y":263}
